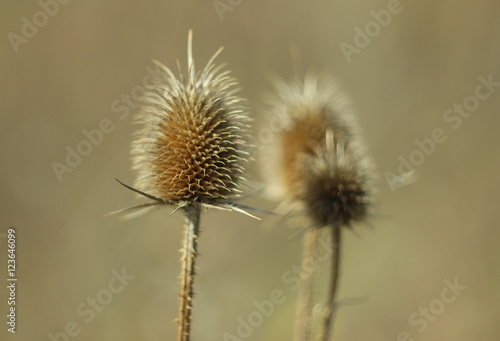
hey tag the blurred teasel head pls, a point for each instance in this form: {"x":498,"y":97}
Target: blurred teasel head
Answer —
{"x":319,"y":160}
{"x":191,"y":144}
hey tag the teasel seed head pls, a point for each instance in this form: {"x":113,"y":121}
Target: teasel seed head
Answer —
{"x":320,"y":160}
{"x":191,"y":145}
{"x":337,"y":186}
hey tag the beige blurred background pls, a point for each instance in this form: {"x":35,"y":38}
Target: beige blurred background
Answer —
{"x":442,"y":227}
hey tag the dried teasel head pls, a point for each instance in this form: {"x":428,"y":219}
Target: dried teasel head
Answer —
{"x":336,"y":184}
{"x":320,"y":161}
{"x":191,"y":144}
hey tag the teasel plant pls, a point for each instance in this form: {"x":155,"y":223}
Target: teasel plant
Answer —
{"x":321,"y":171}
{"x":189,"y":153}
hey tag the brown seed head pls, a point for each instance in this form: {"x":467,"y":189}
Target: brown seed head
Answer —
{"x":320,"y":159}
{"x":191,"y":144}
{"x":336,"y":183}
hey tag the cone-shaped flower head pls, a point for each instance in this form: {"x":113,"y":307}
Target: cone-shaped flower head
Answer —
{"x":190,"y":147}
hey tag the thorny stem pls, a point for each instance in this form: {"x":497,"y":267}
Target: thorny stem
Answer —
{"x":189,"y":252}
{"x":303,"y":319}
{"x":334,"y":275}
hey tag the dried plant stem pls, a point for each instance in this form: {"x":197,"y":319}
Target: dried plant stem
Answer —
{"x":303,"y":320}
{"x":189,"y":253}
{"x":334,"y":276}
